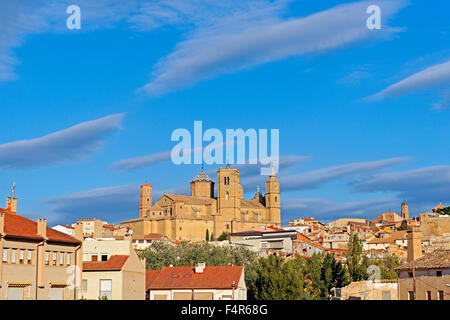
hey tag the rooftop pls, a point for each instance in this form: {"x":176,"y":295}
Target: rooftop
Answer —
{"x":21,"y":227}
{"x":114,"y":263}
{"x":212,"y":277}
{"x":438,"y":259}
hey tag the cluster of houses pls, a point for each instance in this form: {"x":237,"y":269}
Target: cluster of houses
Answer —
{"x":92,"y":259}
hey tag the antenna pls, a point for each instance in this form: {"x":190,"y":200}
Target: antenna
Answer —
{"x":13,"y":191}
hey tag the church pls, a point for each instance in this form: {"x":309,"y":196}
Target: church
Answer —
{"x":191,"y":218}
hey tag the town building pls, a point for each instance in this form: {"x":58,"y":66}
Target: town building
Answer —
{"x":38,"y":262}
{"x":368,"y":290}
{"x":424,"y":276}
{"x":92,"y":227}
{"x":265,"y":240}
{"x":181,"y":217}
{"x":65,"y":229}
{"x":197,"y":283}
{"x":142,"y":242}
{"x":112,"y":270}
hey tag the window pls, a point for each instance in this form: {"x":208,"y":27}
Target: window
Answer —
{"x":410,"y":295}
{"x":46,"y":257}
{"x":5,"y":255}
{"x":68,"y":258}
{"x":104,"y":257}
{"x":441,"y":295}
{"x":61,"y":258}
{"x":13,"y":255}
{"x":21,"y":256}
{"x":84,"y":285}
{"x":94,"y":258}
{"x":227,"y":195}
{"x":29,"y":253}
{"x":54,"y":259}
{"x":439,"y":273}
{"x":410,"y":274}
{"x":106,"y":289}
{"x":428,"y":295}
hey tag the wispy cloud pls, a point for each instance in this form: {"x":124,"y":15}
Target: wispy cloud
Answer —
{"x":436,"y":76}
{"x":113,"y":204}
{"x":327,"y":210}
{"x":74,"y":143}
{"x":139,"y":162}
{"x":425,"y":184}
{"x":235,"y":43}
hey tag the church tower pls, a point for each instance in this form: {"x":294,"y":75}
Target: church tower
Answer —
{"x":228,"y":193}
{"x":273,"y":199}
{"x":202,"y":187}
{"x":405,"y":211}
{"x":145,"y":200}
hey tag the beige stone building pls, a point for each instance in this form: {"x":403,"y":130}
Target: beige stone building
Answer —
{"x":191,"y":217}
{"x":112,"y":268}
{"x":424,"y":277}
{"x":197,"y":283}
{"x":38,"y":262}
{"x":92,"y":227}
{"x":369,"y":290}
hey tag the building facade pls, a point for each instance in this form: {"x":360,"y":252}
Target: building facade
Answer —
{"x":38,"y":262}
{"x":197,"y":283}
{"x":181,"y":217}
{"x":112,"y":270}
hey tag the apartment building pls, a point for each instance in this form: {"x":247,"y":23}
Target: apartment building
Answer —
{"x":424,"y":277}
{"x":112,"y":270}
{"x":38,"y":262}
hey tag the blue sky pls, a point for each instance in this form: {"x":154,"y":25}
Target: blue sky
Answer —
{"x":363,"y":114}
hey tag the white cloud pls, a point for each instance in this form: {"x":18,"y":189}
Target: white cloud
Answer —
{"x":435,"y":76}
{"x":327,"y":210}
{"x":77,"y":142}
{"x":233,"y":43}
{"x":424,"y":184}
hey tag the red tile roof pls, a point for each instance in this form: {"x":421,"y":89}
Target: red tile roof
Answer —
{"x":114,"y":263}
{"x":19,"y":226}
{"x":214,"y":277}
{"x":150,"y":276}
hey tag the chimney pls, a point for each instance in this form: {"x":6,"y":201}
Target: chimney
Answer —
{"x":79,"y":231}
{"x":42,"y":227}
{"x":11,"y":204}
{"x":200,"y":267}
{"x":2,"y":223}
{"x":414,"y":243}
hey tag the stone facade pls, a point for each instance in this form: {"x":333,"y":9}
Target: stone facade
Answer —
{"x":191,"y":217}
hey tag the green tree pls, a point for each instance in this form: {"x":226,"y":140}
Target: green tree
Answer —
{"x":445,"y":211}
{"x":223,"y":236}
{"x":207,"y":235}
{"x":212,"y":236}
{"x":275,"y":279}
{"x":356,"y":263}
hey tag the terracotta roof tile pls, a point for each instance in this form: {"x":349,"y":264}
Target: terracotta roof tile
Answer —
{"x":150,"y":276}
{"x":19,"y":226}
{"x":114,"y":263}
{"x":214,"y":277}
{"x":438,"y":259}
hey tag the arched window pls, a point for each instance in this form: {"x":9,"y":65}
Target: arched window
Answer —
{"x":227,"y":195}
{"x":276,"y":199}
{"x":228,"y":180}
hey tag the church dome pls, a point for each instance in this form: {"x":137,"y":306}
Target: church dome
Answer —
{"x":202,"y":177}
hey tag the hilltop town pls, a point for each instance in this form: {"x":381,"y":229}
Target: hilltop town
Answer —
{"x":206,"y":247}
